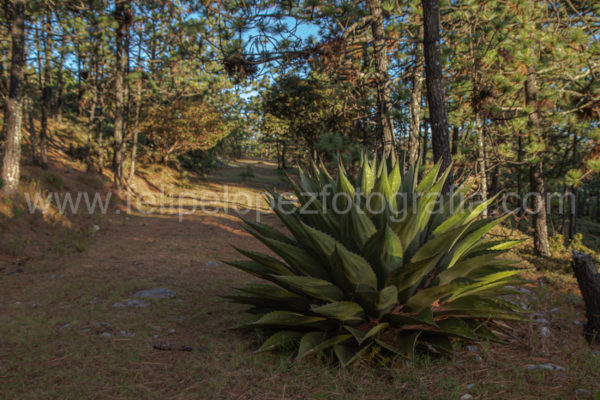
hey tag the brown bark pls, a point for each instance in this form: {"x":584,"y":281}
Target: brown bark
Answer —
{"x":438,"y":116}
{"x":589,"y":284}
{"x":13,"y":113}
{"x":536,"y":170}
{"x":136,"y":127}
{"x":385,"y":125}
{"x":483,"y":189}
{"x":119,"y":142}
{"x":415,"y":99}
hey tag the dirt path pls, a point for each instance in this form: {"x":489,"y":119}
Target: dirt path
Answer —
{"x":63,"y":307}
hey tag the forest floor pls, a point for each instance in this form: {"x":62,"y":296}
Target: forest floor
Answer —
{"x":69,"y":328}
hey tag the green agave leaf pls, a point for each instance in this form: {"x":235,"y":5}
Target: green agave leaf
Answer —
{"x":455,"y":327}
{"x":471,"y":238}
{"x":464,"y":267}
{"x":268,"y":231}
{"x":355,"y":269}
{"x":344,"y":186}
{"x":366,"y":177}
{"x":429,"y":179}
{"x":409,"y":321}
{"x":427,"y":297}
{"x":404,"y":344}
{"x":483,"y":284}
{"x":347,"y":355}
{"x":463,"y":217}
{"x":313,"y":287}
{"x":395,"y":178}
{"x":357,"y":228}
{"x":279,"y":340}
{"x":384,"y":252}
{"x":376,"y":303}
{"x":286,"y":319}
{"x":274,"y":294}
{"x":296,"y":257}
{"x":362,"y":336}
{"x":322,"y":242}
{"x":314,"y":346}
{"x":345,"y":311}
{"x":412,"y":274}
{"x":273,"y":265}
{"x":439,"y":244}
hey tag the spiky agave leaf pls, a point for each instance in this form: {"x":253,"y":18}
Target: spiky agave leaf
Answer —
{"x":369,"y":264}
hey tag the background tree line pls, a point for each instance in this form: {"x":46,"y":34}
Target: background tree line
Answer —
{"x":508,"y":90}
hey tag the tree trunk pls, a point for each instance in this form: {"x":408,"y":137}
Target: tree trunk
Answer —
{"x":46,"y":93}
{"x":385,"y":125}
{"x":438,"y":117}
{"x":13,"y":112}
{"x":574,"y":197}
{"x":589,"y":284}
{"x":536,"y":170}
{"x":119,"y":143}
{"x":455,"y":139}
{"x":91,"y":127}
{"x":415,"y":99}
{"x":32,"y":132}
{"x":100,"y":134}
{"x":483,"y":189}
{"x":136,"y":128}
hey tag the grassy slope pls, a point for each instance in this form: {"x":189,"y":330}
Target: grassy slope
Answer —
{"x":59,"y":279}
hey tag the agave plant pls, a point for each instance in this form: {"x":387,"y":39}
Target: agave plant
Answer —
{"x":378,"y":261}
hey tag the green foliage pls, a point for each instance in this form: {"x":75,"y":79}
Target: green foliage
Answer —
{"x":369,"y":265}
{"x":53,"y":181}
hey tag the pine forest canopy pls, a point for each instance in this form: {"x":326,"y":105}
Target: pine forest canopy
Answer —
{"x":507,"y":90}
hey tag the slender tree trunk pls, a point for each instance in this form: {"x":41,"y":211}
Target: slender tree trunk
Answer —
{"x":415,"y":99}
{"x":589,"y":285}
{"x":483,"y":189}
{"x":100,"y":134}
{"x":59,"y":90}
{"x":136,"y":128}
{"x":91,"y":127}
{"x":32,"y":132}
{"x":536,"y":170}
{"x":119,"y":142}
{"x":574,"y":196}
{"x":455,"y":139}
{"x":438,"y":116}
{"x":13,"y":112}
{"x":46,"y":93}
{"x":385,"y":125}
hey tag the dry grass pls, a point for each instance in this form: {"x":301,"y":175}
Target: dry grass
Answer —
{"x":53,"y":303}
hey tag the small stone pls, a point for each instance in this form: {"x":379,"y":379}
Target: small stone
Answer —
{"x":211,"y":264}
{"x":545,"y":332}
{"x":160,"y":293}
{"x":171,"y":331}
{"x":466,"y":397}
{"x":470,"y":386}
{"x":64,"y":326}
{"x":127,"y":334}
{"x":576,"y":322}
{"x":583,"y":392}
{"x":597,"y":353}
{"x":96,"y":300}
{"x":544,"y":367}
{"x":477,"y":358}
{"x":106,"y":334}
{"x":525,"y":291}
{"x":95,"y":228}
{"x":537,"y":315}
{"x":131,"y":303}
{"x":102,"y":324}
{"x":541,"y":321}
{"x":472,"y":349}
{"x":554,"y":310}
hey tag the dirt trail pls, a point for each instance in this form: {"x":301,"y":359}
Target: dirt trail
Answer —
{"x":63,"y":307}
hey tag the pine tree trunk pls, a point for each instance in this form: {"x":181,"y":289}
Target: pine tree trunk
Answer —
{"x":91,"y":126}
{"x":589,"y":284}
{"x":119,"y":142}
{"x":32,"y":132}
{"x":415,"y":99}
{"x":100,"y":134}
{"x":574,"y":197}
{"x":136,"y":128}
{"x":438,"y":117}
{"x":385,"y":125}
{"x":455,"y":139}
{"x":13,"y":112}
{"x":536,"y":170}
{"x":483,"y":190}
{"x":46,"y":94}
